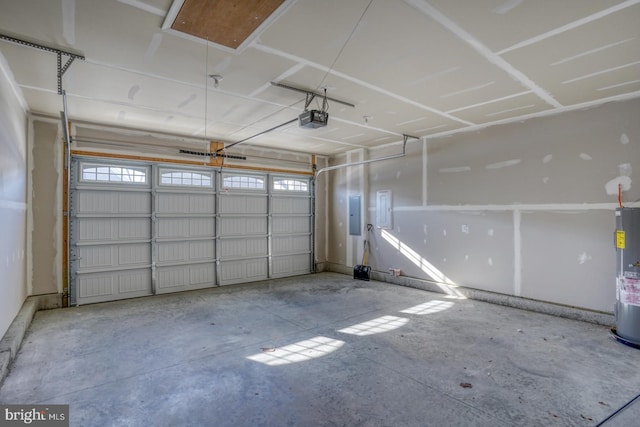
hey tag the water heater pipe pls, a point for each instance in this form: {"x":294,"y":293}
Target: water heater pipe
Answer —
{"x":394,"y":156}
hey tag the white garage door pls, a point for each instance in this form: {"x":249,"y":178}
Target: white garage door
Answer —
{"x":243,"y":228}
{"x":265,"y":224}
{"x":110,"y":252}
{"x":291,"y":225}
{"x":141,"y":229}
{"x":185,"y":224}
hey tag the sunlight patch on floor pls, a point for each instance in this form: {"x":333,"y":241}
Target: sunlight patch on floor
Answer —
{"x":428,"y":307}
{"x":297,"y":352}
{"x":375,"y":326}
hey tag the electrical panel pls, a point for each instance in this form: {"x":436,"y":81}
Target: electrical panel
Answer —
{"x":355,"y":221}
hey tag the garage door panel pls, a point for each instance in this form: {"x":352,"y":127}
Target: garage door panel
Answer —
{"x":241,"y":271}
{"x":290,"y":225}
{"x":134,"y":202}
{"x":243,"y":247}
{"x":185,"y":227}
{"x":91,"y":257}
{"x":113,"y":256}
{"x":202,"y":274}
{"x":290,"y":205}
{"x":96,"y":229}
{"x":238,"y":226}
{"x":171,"y":277}
{"x":186,"y":251}
{"x":202,"y":250}
{"x":135,"y":281}
{"x":133,"y":228}
{"x":112,"y":229}
{"x":133,"y":254}
{"x":188,"y":276}
{"x":232,"y":272}
{"x":290,"y":244}
{"x":106,"y":286}
{"x":201,"y":227}
{"x":243,"y":204}
{"x":256,"y":269}
{"x":97,"y":202}
{"x":172,"y":227}
{"x":290,"y":265}
{"x":176,"y":203}
{"x":171,"y":251}
{"x":112,"y":202}
{"x":96,"y":285}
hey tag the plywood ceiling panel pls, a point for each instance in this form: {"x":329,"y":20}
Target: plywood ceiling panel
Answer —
{"x":225,"y":22}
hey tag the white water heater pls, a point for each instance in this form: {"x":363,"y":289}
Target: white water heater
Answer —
{"x":627,"y":308}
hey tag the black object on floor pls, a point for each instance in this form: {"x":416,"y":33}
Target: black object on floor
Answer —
{"x":361,"y":272}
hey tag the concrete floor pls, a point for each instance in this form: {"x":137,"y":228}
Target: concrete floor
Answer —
{"x":322,"y":350}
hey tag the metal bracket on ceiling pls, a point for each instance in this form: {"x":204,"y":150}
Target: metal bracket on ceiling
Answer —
{"x":308,"y":99}
{"x":405,"y":137}
{"x":310,"y":95}
{"x":61,"y":68}
{"x":215,"y":154}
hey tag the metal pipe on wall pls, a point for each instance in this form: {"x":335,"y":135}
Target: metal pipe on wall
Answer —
{"x":330,"y":168}
{"x":394,"y":156}
{"x":66,"y":209}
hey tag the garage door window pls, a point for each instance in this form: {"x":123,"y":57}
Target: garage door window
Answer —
{"x":244,"y":182}
{"x":290,"y":184}
{"x":185,"y":178}
{"x":113,"y":173}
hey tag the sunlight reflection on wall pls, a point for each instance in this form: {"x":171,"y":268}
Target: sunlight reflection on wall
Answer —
{"x":447,"y":285}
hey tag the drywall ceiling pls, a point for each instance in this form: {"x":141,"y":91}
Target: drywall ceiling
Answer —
{"x":418,"y":67}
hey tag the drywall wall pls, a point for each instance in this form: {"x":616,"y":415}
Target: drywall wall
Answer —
{"x":569,"y":255}
{"x":47,"y":206}
{"x":566,"y":158}
{"x":345,"y":247}
{"x":524,"y":209}
{"x":13,"y":199}
{"x":337,"y":213}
